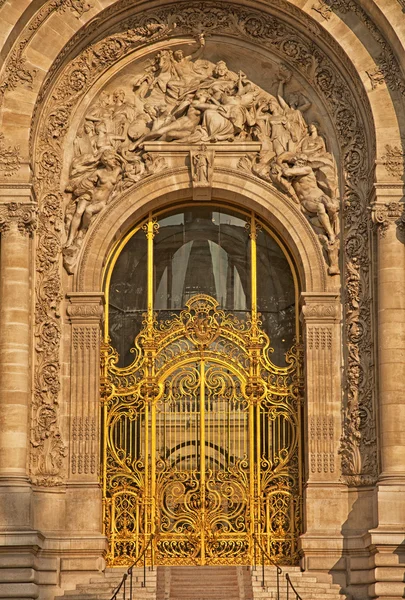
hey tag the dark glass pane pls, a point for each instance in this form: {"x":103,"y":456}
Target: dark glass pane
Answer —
{"x":202,"y":251}
{"x":128,"y":296}
{"x":275,"y":296}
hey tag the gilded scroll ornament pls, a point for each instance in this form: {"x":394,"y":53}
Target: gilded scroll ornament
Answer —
{"x":201,"y":442}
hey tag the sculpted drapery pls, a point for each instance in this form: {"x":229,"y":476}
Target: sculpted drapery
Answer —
{"x":184,"y":99}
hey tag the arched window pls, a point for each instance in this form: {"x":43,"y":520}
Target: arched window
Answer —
{"x":202,"y":402}
{"x":202,"y":250}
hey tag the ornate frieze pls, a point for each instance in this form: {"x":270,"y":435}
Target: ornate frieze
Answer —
{"x":23,"y":215}
{"x":314,"y":66}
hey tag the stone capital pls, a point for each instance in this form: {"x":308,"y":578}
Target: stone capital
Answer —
{"x":386,"y":214}
{"x":85,"y":307}
{"x":320,"y":307}
{"x":21,"y":216}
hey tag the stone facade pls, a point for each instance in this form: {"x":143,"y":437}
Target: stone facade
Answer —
{"x":292,"y":108}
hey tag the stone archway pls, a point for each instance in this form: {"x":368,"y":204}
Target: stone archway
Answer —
{"x":360,"y":100}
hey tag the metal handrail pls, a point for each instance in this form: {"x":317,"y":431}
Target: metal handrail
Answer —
{"x":129,"y":572}
{"x":289,"y":584}
{"x":271,"y":560}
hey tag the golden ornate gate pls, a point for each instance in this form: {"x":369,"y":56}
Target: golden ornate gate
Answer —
{"x":201,"y":441}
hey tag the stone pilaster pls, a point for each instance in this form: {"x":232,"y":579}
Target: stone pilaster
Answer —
{"x":85,"y":312}
{"x":324,"y":506}
{"x":17,"y":224}
{"x":387,"y":538}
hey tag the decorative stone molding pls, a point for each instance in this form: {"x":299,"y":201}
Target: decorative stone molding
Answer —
{"x":393,"y":160}
{"x":255,"y":27}
{"x":387,"y":70}
{"x":23,"y":215}
{"x":85,"y":312}
{"x":10,"y":159}
{"x":358,"y":447}
{"x":317,"y":308}
{"x":48,"y":451}
{"x":384,"y":215}
{"x":16,"y":72}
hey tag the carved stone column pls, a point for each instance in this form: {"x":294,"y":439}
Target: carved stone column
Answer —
{"x":17,"y":223}
{"x":324,"y":508}
{"x":85,"y":311}
{"x":389,"y":217}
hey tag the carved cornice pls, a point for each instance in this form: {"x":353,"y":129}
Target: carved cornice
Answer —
{"x":321,"y":308}
{"x":85,"y":308}
{"x":22,"y":215}
{"x":386,"y":214}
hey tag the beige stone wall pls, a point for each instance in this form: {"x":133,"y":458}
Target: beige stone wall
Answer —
{"x":50,"y":500}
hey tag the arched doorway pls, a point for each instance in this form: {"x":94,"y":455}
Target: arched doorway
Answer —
{"x":201,"y":390}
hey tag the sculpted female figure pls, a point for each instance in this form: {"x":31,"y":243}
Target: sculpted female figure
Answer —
{"x":92,"y":193}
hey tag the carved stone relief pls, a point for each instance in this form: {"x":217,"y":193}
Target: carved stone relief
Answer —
{"x":393,"y":160}
{"x":183,"y":99}
{"x":85,"y":313}
{"x":321,"y":320}
{"x":300,"y":54}
{"x":10,"y":159}
{"x":202,"y":171}
{"x":321,"y":452}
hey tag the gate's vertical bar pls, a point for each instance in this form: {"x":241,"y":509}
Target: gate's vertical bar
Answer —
{"x":202,"y":455}
{"x":150,"y":228}
{"x":254,"y":461}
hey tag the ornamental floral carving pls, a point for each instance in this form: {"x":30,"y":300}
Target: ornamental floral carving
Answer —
{"x":299,"y":53}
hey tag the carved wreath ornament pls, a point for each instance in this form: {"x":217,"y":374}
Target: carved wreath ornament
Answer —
{"x":207,"y":103}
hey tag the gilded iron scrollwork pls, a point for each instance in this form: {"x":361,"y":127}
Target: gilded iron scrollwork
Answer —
{"x":202,"y":443}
